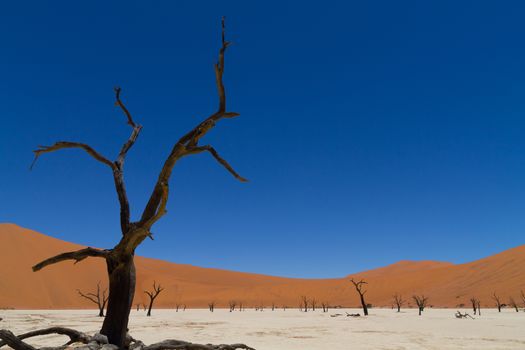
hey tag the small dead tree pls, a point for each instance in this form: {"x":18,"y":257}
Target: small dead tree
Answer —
{"x":211,"y":306}
{"x":514,"y":304}
{"x":398,"y":301}
{"x":232,"y":304}
{"x":497,"y":300}
{"x":421,"y":302}
{"x":313,"y":302}
{"x":474,"y":302}
{"x":241,"y":306}
{"x":359,"y":289}
{"x":273,"y":306}
{"x":99,"y":298}
{"x":479,"y":308}
{"x":153,"y":295}
{"x":304,"y":303}
{"x":324,"y":305}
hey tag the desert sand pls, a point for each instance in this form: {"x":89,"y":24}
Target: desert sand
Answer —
{"x":293,"y":330}
{"x":55,"y":287}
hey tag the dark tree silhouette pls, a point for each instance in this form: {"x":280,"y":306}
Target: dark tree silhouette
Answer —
{"x":313,"y":302}
{"x":474,"y":302}
{"x":398,"y":301}
{"x":233,"y":304}
{"x":153,"y":295}
{"x":99,"y":298}
{"x":120,"y":259}
{"x":421,"y":302}
{"x":324,"y":305}
{"x":211,"y":306}
{"x":514,"y":304}
{"x":359,"y":289}
{"x":498,"y":301}
{"x":304,"y":303}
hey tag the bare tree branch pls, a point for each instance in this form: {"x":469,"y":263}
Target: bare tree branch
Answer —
{"x":74,"y":336}
{"x":183,"y":345}
{"x":78,"y":256}
{"x":221,"y":160}
{"x":66,"y":144}
{"x":190,"y":141}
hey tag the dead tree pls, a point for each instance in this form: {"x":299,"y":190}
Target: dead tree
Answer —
{"x":498,"y":301}
{"x":120,"y":258}
{"x":359,"y":289}
{"x":421,"y":302}
{"x":479,"y":307}
{"x":211,"y":306}
{"x":475,"y":303}
{"x":304,"y":303}
{"x":398,"y":301}
{"x":98,"y":298}
{"x":177,"y":307}
{"x":313,"y":302}
{"x":233,"y":304}
{"x":514,"y":304}
{"x":273,"y":306}
{"x":153,"y":295}
{"x":324,"y":305}
{"x":241,"y":306}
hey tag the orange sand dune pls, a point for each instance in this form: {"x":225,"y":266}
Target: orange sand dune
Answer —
{"x":447,"y":285}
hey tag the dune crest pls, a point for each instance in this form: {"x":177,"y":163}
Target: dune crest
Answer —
{"x":55,"y":287}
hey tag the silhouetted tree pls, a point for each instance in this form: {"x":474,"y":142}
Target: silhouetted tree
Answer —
{"x":153,"y":295}
{"x":211,"y":306}
{"x":359,"y":289}
{"x":514,"y":304}
{"x":304,"y":303}
{"x":313,"y":302}
{"x":474,"y":302}
{"x":120,"y":259}
{"x":421,"y":302}
{"x":99,"y":298}
{"x":324,"y":305}
{"x":398,"y":301}
{"x":498,"y":301}
{"x":232,"y":304}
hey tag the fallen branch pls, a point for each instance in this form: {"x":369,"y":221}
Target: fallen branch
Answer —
{"x":98,"y":341}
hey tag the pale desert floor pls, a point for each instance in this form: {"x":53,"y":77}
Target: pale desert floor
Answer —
{"x":293,"y":330}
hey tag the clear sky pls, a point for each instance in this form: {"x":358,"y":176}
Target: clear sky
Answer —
{"x":371,"y":131}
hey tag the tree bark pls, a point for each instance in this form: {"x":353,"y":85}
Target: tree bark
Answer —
{"x":122,"y":279}
{"x":363,"y":304}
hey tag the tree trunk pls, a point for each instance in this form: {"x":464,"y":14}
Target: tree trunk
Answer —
{"x":150,"y":307}
{"x":398,"y":308}
{"x":420,"y":311}
{"x":101,"y":312}
{"x":121,"y":270}
{"x":363,"y":303}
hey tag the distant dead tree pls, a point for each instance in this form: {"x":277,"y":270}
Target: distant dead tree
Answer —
{"x":99,"y":298}
{"x":359,"y":289}
{"x":313,"y":302}
{"x":184,"y":307}
{"x":421,"y":302}
{"x":232,"y":304}
{"x":241,"y":306}
{"x":177,"y":307}
{"x":398,"y":301}
{"x":138,"y":307}
{"x":273,"y":306}
{"x":120,"y":258}
{"x":474,"y":302}
{"x":497,"y":300}
{"x":284,"y":307}
{"x":153,"y":295}
{"x":211,"y":305}
{"x":324,"y":305}
{"x":514,"y":304}
{"x":304,"y":303}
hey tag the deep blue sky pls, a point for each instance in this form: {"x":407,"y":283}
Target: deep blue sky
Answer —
{"x":371,"y":131}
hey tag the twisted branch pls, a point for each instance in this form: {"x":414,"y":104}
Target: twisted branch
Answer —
{"x":66,"y":144}
{"x":78,"y":256}
{"x":188,"y":144}
{"x":16,"y":341}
